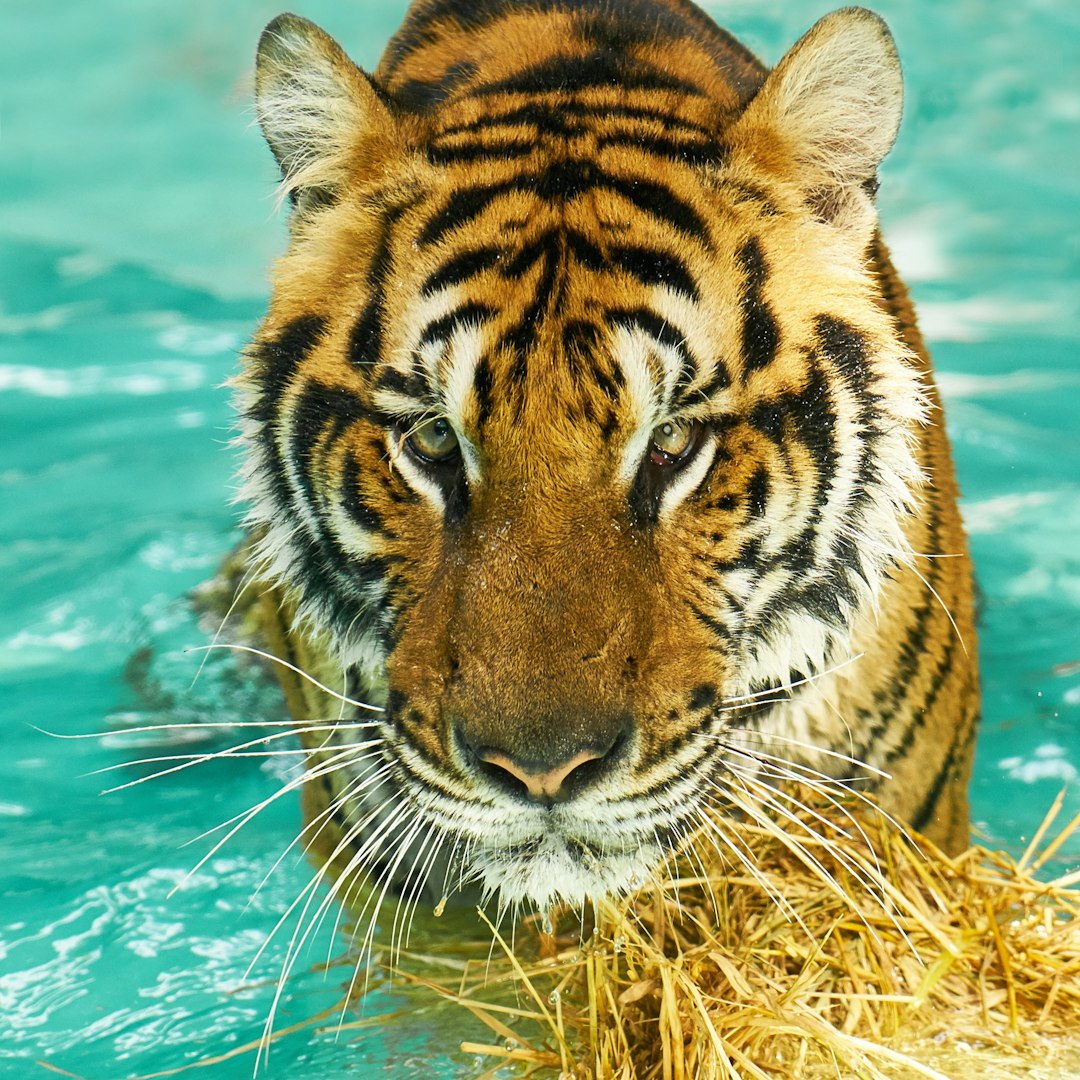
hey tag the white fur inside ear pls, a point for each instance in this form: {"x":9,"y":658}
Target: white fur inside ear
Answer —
{"x":313,"y":103}
{"x":836,"y":99}
{"x":841,"y":94}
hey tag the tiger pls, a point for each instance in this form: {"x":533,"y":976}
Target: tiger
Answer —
{"x":591,"y":448}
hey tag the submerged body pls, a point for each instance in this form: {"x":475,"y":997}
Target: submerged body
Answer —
{"x":590,"y":434}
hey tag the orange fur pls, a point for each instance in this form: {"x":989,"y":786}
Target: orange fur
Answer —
{"x":552,"y":232}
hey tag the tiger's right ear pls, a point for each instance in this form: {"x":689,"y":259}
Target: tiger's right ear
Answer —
{"x":828,"y":113}
{"x":323,"y":116}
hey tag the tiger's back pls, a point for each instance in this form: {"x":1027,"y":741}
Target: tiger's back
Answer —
{"x":591,"y":431}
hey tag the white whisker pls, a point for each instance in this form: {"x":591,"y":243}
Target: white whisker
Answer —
{"x":798,"y":682}
{"x":250,"y":573}
{"x":297,"y":671}
{"x":188,"y":760}
{"x":836,"y":755}
{"x":198,"y":725}
{"x":366,"y":780}
{"x":242,"y":819}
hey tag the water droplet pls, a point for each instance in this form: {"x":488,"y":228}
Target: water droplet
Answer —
{"x":440,"y":907}
{"x":619,"y":944}
{"x":546,"y":925}
{"x":554,"y":997}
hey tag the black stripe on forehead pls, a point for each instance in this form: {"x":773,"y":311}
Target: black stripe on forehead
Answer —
{"x":562,"y":181}
{"x":653,"y":324}
{"x":569,"y":74}
{"x":518,"y":131}
{"x":689,"y":387}
{"x":483,"y":383}
{"x":366,"y":339}
{"x":461,"y":266}
{"x":412,"y":384}
{"x":521,"y":337}
{"x":652,"y":266}
{"x":609,"y":28}
{"x":444,"y":327}
{"x":569,"y":118}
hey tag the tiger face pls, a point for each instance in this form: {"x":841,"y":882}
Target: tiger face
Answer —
{"x":582,"y":423}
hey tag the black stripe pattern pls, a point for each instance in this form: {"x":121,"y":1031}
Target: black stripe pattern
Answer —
{"x":550,"y":207}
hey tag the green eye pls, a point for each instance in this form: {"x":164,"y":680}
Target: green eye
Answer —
{"x":671,"y":440}
{"x":433,"y":440}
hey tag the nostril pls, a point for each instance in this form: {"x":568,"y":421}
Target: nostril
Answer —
{"x":581,"y":776}
{"x":502,"y":777}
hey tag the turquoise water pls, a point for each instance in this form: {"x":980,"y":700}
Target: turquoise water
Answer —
{"x":135,"y":227}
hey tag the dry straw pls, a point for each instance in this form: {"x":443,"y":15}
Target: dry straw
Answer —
{"x":837,"y":946}
{"x":834,"y":946}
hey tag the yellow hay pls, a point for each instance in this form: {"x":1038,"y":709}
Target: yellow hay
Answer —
{"x":844,"y":952}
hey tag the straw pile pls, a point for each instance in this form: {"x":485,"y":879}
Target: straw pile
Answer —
{"x":829,"y":950}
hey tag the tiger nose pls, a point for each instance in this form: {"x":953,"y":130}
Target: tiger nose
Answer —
{"x":542,"y":785}
{"x":543,"y":779}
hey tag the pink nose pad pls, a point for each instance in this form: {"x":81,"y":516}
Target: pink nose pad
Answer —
{"x":540,"y":785}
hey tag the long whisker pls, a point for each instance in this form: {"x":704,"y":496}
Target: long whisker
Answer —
{"x":734,"y":845}
{"x":311,"y":887}
{"x":187,"y":761}
{"x":342,"y":756}
{"x":299,"y":935}
{"x":835,"y":755}
{"x":395,"y":822}
{"x":805,"y":855}
{"x":297,"y":671}
{"x":822,"y":791}
{"x":243,"y":819}
{"x":249,"y":576}
{"x":367,"y":778}
{"x":772,"y":794}
{"x":944,"y":607}
{"x":195,"y":725}
{"x":823,"y":784}
{"x":237,"y":750}
{"x":436,"y":838}
{"x":798,"y":682}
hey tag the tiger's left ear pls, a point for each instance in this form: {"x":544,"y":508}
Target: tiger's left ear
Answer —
{"x":324,"y":118}
{"x":831,"y":108}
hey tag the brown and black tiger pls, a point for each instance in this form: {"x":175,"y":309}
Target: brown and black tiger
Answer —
{"x":589,"y":434}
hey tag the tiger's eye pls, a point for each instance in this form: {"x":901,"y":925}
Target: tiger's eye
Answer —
{"x":670,"y":440}
{"x":434,"y":440}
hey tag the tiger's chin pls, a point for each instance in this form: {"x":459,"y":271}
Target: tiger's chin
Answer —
{"x":555,"y":870}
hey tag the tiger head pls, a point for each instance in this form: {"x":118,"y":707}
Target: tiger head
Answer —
{"x":577,"y":421}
